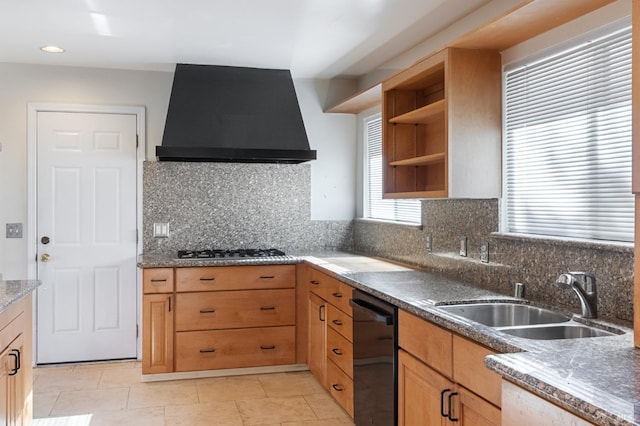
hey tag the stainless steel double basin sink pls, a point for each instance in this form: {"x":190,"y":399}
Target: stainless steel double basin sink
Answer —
{"x":525,"y":321}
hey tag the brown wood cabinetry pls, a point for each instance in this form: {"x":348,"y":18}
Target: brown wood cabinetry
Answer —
{"x":16,"y":401}
{"x":207,"y":318}
{"x":442,"y":379}
{"x":330,"y":344}
{"x":157,"y":321}
{"x":235,"y":317}
{"x":442,"y":126}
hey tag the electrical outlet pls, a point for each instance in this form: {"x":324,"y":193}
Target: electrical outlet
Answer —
{"x":161,"y":230}
{"x":484,"y":252}
{"x":14,"y":230}
{"x":429,"y":242}
{"x":463,"y":246}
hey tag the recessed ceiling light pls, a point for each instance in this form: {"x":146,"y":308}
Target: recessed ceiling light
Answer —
{"x":52,"y":49}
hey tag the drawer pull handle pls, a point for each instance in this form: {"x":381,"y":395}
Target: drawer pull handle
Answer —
{"x":158,"y":280}
{"x":337,"y":351}
{"x":207,"y":351}
{"x":314,"y":282}
{"x":267,"y":277}
{"x":337,"y":322}
{"x":207,"y":279}
{"x":207,"y":311}
{"x":267,"y":308}
{"x":337,"y":387}
{"x":336,"y":294}
{"x":267,"y":347}
{"x":16,"y":354}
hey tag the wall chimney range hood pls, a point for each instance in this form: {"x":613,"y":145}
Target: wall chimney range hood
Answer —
{"x":234,"y":114}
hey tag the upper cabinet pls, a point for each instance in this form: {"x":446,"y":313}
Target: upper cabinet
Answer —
{"x":442,"y":127}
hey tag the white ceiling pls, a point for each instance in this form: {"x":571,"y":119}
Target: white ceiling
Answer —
{"x":312,"y":38}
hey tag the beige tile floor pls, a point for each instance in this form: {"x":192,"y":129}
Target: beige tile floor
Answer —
{"x":112,"y":394}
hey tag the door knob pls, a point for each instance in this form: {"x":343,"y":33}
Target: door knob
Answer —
{"x":45,"y":257}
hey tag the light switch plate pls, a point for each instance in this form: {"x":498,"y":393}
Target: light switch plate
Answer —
{"x":14,"y":230}
{"x":161,"y":230}
{"x":463,"y":246}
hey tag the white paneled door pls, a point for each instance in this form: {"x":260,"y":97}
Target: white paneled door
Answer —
{"x":86,"y":225}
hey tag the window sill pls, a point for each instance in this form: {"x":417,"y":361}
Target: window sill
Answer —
{"x":566,"y":242}
{"x":390,"y":222}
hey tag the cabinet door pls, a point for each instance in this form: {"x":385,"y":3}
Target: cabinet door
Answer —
{"x":316,"y":357}
{"x":471,"y":410}
{"x":13,"y":408}
{"x":157,"y":333}
{"x":420,"y":393}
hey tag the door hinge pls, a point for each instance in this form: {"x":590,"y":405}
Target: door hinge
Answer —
{"x":137,"y":141}
{"x":137,"y":331}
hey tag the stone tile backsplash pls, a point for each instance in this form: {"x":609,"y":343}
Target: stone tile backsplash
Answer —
{"x":230,"y":205}
{"x":536,"y":262}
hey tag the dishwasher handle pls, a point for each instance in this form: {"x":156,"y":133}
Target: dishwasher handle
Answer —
{"x":379,"y":314}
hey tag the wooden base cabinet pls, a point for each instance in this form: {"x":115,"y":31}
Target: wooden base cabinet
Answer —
{"x":157,"y":321}
{"x":235,"y":317}
{"x":16,"y":401}
{"x":442,"y":379}
{"x":330,"y":337}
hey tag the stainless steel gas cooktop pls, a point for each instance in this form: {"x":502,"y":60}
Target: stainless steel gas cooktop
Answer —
{"x":228,"y":254}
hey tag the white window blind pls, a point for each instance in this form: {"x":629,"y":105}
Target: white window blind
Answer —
{"x":376,"y":207}
{"x":568,"y":142}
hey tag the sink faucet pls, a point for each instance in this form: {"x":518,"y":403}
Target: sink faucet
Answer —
{"x":584,"y":284}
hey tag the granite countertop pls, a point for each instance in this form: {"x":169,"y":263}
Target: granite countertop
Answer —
{"x":13,"y":290}
{"x":594,"y":378}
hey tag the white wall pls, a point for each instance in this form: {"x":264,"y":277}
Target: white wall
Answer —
{"x":333,"y":177}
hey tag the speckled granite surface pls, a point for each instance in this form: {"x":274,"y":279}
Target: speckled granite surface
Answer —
{"x":162,"y":260}
{"x":232,"y":206}
{"x":13,"y":290}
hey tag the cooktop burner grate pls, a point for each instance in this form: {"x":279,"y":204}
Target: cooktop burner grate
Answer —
{"x":229,"y":254}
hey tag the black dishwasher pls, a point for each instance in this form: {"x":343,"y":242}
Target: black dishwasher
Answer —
{"x":375,"y":355}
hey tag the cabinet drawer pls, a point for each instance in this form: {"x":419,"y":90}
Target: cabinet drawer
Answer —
{"x":340,"y":295}
{"x":157,"y":280}
{"x":320,"y":283}
{"x":234,"y":309}
{"x":340,"y":386}
{"x":250,"y":347}
{"x":340,"y":351}
{"x":340,"y":322}
{"x":427,"y":342}
{"x":469,"y":370}
{"x":212,"y":278}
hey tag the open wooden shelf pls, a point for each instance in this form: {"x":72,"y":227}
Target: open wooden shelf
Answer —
{"x":420,"y":161}
{"x":422,"y":115}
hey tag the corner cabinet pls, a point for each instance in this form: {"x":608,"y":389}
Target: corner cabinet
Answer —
{"x":330,"y":343}
{"x":442,"y":127}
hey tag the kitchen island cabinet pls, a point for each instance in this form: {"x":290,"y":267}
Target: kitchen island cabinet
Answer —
{"x":16,"y":401}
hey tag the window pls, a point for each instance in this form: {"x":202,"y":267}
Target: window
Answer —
{"x":375,"y":206}
{"x":568,"y":142}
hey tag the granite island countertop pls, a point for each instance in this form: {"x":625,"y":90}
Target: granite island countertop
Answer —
{"x":595,"y":378}
{"x":13,"y":290}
